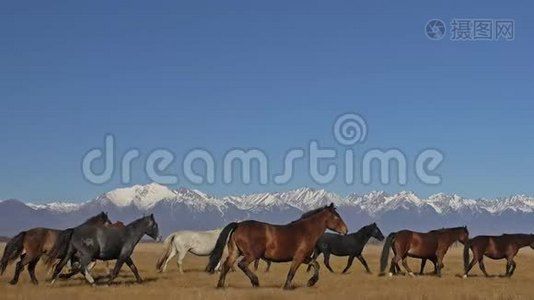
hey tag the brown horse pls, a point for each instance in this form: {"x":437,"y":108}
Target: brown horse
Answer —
{"x":278,"y":243}
{"x":431,"y":245}
{"x":30,"y":245}
{"x":495,"y":247}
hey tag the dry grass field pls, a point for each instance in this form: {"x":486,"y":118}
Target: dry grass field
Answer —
{"x":195,"y":284}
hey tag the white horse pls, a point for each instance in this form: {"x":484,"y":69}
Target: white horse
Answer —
{"x":200,"y":243}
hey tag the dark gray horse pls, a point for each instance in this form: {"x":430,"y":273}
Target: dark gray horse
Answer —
{"x":105,"y":243}
{"x":350,"y":245}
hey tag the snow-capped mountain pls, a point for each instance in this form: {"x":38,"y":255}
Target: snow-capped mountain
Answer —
{"x":146,"y":197}
{"x":189,"y":208}
{"x":303,"y":199}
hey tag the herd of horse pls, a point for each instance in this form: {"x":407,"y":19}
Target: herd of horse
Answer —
{"x":298,"y":242}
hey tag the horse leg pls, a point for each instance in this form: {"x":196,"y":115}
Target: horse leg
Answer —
{"x":512,"y":268}
{"x":292,"y":270}
{"x":423,"y":263}
{"x":171,"y":255}
{"x":116,"y":269}
{"x":326,"y":256}
{"x":349,"y":263}
{"x":394,"y":267}
{"x":180,"y":259}
{"x":108,"y":268}
{"x":73,"y":270}
{"x":85,"y":260}
{"x":132,"y":267}
{"x":31,"y":270}
{"x":24,"y":260}
{"x":473,"y":262}
{"x":243,"y":265}
{"x":439,"y":266}
{"x":435,"y":262}
{"x":91,"y":265}
{"x":482,"y":267}
{"x":256,"y":264}
{"x":228,"y":263}
{"x":405,"y":265}
{"x":315,"y":254}
{"x":315,"y":277}
{"x":364,"y":263}
{"x":62,"y":263}
{"x":268,"y":266}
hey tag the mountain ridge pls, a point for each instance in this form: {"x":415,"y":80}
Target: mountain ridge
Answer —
{"x":193,"y":209}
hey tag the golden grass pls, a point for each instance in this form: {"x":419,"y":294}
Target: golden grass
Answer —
{"x":195,"y":284}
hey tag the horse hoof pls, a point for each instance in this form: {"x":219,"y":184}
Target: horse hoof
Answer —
{"x":390,"y":274}
{"x":411,"y":274}
{"x":465,"y":276}
{"x":13,"y":282}
{"x":312,"y":282}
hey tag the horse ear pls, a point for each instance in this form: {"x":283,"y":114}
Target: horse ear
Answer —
{"x":331,"y":205}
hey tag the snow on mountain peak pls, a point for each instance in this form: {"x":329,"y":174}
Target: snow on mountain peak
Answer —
{"x":142,"y":196}
{"x":145,"y":197}
{"x":60,"y":207}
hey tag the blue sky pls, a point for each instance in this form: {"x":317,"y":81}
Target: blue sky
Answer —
{"x":269,"y":75}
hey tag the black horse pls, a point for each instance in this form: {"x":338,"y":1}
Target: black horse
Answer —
{"x":105,"y":243}
{"x":350,"y":245}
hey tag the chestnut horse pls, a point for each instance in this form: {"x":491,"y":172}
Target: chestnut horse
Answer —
{"x":31,"y":244}
{"x":431,"y":245}
{"x":278,"y":243}
{"x":495,"y":247}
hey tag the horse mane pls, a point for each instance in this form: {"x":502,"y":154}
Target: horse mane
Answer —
{"x":136,"y":221}
{"x":93,"y":218}
{"x":310,"y":213}
{"x":363,"y":228}
{"x":448,"y":229}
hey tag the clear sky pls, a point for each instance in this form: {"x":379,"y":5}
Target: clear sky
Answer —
{"x":261,"y":74}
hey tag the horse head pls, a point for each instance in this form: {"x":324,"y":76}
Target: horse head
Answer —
{"x":377,"y":233}
{"x":334,"y":221}
{"x":464,"y":235}
{"x":152,"y":229}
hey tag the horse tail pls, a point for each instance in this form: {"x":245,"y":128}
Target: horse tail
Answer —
{"x":467,"y":246}
{"x":167,"y":247}
{"x":216,"y":254}
{"x":13,"y":249}
{"x":60,"y":247}
{"x":385,"y":252}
